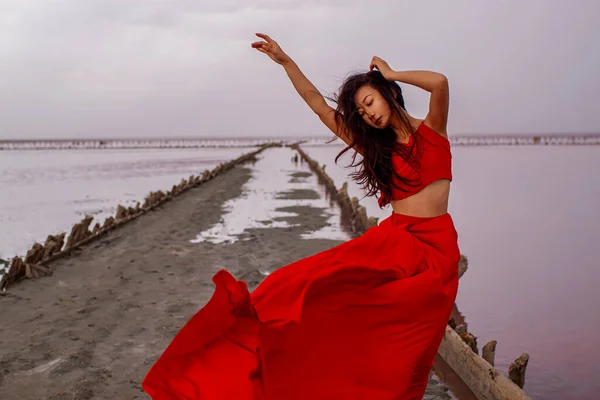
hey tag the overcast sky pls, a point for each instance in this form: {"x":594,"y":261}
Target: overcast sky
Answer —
{"x":180,"y":68}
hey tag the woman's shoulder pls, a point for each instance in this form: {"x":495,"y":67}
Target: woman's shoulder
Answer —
{"x":427,"y":125}
{"x":426,"y":130}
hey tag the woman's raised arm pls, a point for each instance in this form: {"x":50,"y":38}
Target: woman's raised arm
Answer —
{"x":303,"y":86}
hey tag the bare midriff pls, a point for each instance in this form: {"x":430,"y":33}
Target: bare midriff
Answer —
{"x":431,"y":201}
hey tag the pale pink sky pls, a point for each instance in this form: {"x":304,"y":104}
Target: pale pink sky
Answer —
{"x":160,"y":68}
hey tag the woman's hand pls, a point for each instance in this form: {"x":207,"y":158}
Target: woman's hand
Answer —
{"x":272,"y":49}
{"x":382,"y":66}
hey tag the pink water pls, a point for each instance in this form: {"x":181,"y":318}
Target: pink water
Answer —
{"x":528,"y":220}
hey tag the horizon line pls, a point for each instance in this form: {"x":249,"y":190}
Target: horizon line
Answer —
{"x":287,"y":137}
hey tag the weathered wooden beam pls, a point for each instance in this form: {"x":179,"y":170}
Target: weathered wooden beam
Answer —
{"x":481,"y":377}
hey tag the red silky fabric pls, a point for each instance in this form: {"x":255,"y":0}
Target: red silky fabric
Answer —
{"x":362,"y":320}
{"x":435,"y":163}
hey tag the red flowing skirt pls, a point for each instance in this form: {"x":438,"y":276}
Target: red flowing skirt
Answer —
{"x":362,"y":320}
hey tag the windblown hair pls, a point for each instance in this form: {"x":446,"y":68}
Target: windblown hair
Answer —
{"x":375,"y":172}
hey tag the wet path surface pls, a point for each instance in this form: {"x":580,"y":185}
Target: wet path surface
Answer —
{"x":94,"y":328}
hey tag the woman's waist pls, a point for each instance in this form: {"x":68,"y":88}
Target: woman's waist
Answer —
{"x":432,"y":201}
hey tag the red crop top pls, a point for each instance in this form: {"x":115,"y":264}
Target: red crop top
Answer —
{"x":435,"y":163}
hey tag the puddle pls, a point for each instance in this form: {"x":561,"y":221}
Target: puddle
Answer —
{"x":4,"y":264}
{"x":277,"y":183}
{"x":40,"y":369}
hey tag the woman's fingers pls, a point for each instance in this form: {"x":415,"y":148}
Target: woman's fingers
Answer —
{"x":266,"y":37}
{"x":263,"y":50}
{"x":375,"y":61}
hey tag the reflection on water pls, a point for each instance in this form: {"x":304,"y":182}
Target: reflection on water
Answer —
{"x":268,"y":198}
{"x":47,"y":191}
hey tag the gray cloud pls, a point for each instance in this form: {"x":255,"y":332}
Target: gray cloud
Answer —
{"x":112,"y":68}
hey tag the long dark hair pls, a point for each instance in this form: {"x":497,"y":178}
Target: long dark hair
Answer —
{"x":376,"y":171}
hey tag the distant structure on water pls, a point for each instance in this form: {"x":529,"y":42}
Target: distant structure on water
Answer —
{"x":100,"y":144}
{"x":516,"y":140}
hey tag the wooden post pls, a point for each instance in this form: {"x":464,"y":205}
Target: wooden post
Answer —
{"x":463,"y":265}
{"x":489,"y":352}
{"x":471,"y":341}
{"x":516,"y":370}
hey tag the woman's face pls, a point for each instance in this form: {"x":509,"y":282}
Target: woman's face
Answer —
{"x":373,"y":107}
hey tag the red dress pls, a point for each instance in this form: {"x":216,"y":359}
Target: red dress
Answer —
{"x":362,"y":320}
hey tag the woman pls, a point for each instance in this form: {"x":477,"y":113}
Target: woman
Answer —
{"x":364,"y":319}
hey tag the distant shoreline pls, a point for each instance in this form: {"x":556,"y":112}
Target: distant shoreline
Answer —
{"x":182,"y":143}
{"x":288,"y":138}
